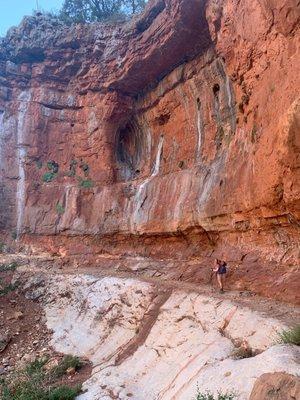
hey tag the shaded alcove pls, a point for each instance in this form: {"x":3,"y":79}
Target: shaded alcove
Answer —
{"x":130,"y":148}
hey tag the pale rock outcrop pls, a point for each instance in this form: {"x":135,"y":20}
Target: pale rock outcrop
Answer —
{"x":151,"y":342}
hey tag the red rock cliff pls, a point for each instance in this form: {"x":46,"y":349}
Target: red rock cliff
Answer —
{"x":159,"y":144}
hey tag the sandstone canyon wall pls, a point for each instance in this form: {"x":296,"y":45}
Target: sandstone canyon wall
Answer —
{"x":160,"y":144}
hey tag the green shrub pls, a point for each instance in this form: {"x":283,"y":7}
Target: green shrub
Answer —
{"x":34,"y":383}
{"x":66,"y":363}
{"x":36,"y":366}
{"x":2,"y":246}
{"x":35,"y":390}
{"x":53,"y":166}
{"x":290,"y":336}
{"x":60,"y":209}
{"x":7,"y":289}
{"x":8,"y":267}
{"x":210,"y":396}
{"x":74,"y":11}
{"x":86,"y":183}
{"x":48,"y":177}
{"x":24,"y":387}
{"x":64,"y":393}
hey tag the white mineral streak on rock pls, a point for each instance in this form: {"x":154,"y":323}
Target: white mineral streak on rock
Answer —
{"x":184,"y":189}
{"x":231,"y":103}
{"x":149,"y":344}
{"x":200,"y":133}
{"x":70,"y":206}
{"x":210,"y":179}
{"x":1,"y":141}
{"x":158,"y":157}
{"x":24,"y":99}
{"x":141,"y":192}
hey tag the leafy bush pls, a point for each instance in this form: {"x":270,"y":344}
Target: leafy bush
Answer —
{"x":86,"y":183}
{"x":60,"y":209}
{"x":8,"y":267}
{"x":210,"y":396}
{"x":7,"y":289}
{"x":85,"y":11}
{"x":290,"y":336}
{"x":53,"y":166}
{"x":48,"y":177}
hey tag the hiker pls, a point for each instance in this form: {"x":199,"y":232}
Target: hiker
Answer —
{"x":220,"y":270}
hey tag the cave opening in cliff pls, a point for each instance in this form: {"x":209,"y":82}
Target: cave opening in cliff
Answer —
{"x":216,"y":89}
{"x":130,"y":145}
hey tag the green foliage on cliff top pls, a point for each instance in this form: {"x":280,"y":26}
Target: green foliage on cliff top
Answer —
{"x":85,"y":11}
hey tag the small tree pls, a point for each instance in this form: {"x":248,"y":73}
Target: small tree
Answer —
{"x":75,"y":11}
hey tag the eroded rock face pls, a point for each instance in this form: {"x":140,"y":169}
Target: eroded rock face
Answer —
{"x":159,"y":144}
{"x":148,"y":341}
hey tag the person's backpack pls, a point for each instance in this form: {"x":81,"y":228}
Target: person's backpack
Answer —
{"x":223,"y":269}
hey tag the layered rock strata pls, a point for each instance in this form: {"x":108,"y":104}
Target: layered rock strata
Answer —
{"x":156,"y":145}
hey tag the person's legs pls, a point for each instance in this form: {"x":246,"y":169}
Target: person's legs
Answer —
{"x":220,"y":281}
{"x":223,"y":280}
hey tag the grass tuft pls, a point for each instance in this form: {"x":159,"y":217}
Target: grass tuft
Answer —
{"x":64,"y":393}
{"x":210,"y":396}
{"x":66,"y":363}
{"x":290,"y":336}
{"x":36,"y":366}
{"x":34,"y":383}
